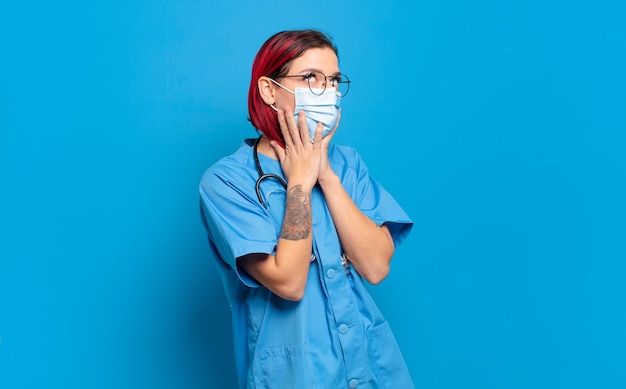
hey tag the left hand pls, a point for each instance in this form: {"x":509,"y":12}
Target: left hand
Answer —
{"x":326,"y":170}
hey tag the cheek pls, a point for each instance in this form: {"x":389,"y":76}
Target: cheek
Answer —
{"x":285,"y":99}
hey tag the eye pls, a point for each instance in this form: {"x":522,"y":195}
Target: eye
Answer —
{"x":310,"y":77}
{"x":337,"y":79}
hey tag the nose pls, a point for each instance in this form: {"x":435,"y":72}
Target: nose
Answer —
{"x":321,"y":80}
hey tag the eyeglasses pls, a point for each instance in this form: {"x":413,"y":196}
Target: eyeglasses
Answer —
{"x":318,"y":82}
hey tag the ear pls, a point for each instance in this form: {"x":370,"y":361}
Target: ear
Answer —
{"x":266,"y":90}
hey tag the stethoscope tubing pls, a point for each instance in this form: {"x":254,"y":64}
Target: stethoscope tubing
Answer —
{"x":263,"y":175}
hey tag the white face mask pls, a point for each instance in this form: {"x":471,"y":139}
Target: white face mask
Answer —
{"x":323,"y":108}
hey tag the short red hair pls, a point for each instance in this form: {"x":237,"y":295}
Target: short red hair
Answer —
{"x":273,"y":61}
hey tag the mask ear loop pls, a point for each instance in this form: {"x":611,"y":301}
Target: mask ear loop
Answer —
{"x":278,"y":83}
{"x":284,"y":87}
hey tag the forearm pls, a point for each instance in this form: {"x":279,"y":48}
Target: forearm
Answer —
{"x":293,"y":252}
{"x":368,"y":246}
{"x":286,"y":272}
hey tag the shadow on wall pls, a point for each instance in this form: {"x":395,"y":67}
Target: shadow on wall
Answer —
{"x":209,"y":336}
{"x":214,"y":334}
{"x":177,"y":322}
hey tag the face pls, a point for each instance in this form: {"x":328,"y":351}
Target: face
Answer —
{"x":322,"y":60}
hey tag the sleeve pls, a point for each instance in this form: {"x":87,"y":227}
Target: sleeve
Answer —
{"x":376,"y":203}
{"x":236,"y":224}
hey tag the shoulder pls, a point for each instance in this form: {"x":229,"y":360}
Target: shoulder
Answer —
{"x":346,"y":160}
{"x":231,"y":170}
{"x":346,"y":155}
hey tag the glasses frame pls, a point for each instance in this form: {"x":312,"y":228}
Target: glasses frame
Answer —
{"x":327,"y":80}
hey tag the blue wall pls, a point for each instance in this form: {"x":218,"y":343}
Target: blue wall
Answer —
{"x":500,"y":126}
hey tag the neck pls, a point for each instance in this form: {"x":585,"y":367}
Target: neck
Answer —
{"x":265,"y":148}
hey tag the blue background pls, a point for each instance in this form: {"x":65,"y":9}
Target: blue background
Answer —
{"x":499,"y":126}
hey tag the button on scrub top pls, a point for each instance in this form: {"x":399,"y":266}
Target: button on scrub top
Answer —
{"x":335,"y":337}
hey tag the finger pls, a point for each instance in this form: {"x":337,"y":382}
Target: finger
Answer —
{"x":284,"y":127}
{"x":280,"y":152}
{"x":338,"y":121}
{"x":294,"y":128}
{"x":303,"y":129}
{"x":318,"y":133}
{"x":328,"y":137}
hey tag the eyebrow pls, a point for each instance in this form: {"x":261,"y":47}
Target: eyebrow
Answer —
{"x":309,"y":70}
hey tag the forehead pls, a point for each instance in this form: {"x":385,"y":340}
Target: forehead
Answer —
{"x":323,"y":59}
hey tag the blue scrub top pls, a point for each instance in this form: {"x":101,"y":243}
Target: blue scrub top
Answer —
{"x":335,"y":337}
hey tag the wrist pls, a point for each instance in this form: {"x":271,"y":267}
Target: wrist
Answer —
{"x":300,"y":187}
{"x":328,"y":179}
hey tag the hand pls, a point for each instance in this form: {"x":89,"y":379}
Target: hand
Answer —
{"x":326,"y":170}
{"x":299,"y":159}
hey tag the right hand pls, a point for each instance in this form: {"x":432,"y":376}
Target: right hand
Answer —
{"x":299,"y":159}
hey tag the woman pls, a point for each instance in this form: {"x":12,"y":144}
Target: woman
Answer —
{"x":297,"y":224}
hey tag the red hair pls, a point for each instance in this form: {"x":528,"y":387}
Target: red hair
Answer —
{"x":273,"y":61}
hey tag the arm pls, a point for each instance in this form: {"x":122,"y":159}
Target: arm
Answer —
{"x":368,"y":246}
{"x":286,"y":272}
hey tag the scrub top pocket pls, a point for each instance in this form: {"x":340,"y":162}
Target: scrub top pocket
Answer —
{"x":283,"y":367}
{"x":386,"y":356}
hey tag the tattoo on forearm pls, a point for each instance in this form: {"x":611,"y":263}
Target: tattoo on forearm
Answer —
{"x":297,"y":223}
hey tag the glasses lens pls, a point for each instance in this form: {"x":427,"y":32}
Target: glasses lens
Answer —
{"x":342,"y":83}
{"x":317,"y":83}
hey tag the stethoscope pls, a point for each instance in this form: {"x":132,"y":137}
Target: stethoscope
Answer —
{"x":263,"y":175}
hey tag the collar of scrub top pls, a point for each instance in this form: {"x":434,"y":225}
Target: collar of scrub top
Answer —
{"x":263,"y":175}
